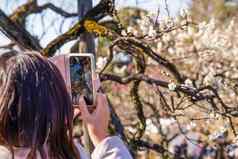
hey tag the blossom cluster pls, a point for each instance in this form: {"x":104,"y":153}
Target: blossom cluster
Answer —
{"x":205,"y":52}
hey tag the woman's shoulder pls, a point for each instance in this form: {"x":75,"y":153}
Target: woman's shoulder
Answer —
{"x":19,"y":153}
{"x":4,"y":153}
{"x":83,"y":153}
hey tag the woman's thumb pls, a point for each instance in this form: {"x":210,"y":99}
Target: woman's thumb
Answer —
{"x":83,"y":108}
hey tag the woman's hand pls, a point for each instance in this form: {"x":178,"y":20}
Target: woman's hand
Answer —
{"x":97,"y":122}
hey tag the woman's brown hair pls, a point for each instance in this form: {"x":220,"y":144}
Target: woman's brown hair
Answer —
{"x":35,"y":107}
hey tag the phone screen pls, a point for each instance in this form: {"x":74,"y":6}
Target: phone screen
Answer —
{"x":81,"y":78}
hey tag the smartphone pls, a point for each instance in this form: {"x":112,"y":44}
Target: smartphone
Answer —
{"x":78,"y":70}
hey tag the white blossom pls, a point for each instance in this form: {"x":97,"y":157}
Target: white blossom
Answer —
{"x":159,"y":46}
{"x":152,"y":61}
{"x":130,"y":29}
{"x":151,"y":127}
{"x":144,"y":24}
{"x":172,"y":50}
{"x":213,"y":136}
{"x":183,"y":12}
{"x":144,"y":30}
{"x":151,"y":32}
{"x":213,"y":115}
{"x":172,"y":86}
{"x":169,"y":22}
{"x":191,"y":31}
{"x":123,"y":33}
{"x":101,"y":62}
{"x":136,"y":33}
{"x":167,"y":121}
{"x":188,"y":82}
{"x":132,"y":130}
{"x":167,"y":38}
{"x":191,"y":125}
{"x":209,"y":79}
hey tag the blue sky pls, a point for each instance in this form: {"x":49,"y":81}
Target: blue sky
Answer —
{"x":52,"y":24}
{"x":153,"y":5}
{"x":150,"y":5}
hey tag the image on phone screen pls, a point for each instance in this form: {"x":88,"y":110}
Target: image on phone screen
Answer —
{"x":81,"y":78}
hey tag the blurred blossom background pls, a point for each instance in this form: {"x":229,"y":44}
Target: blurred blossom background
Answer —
{"x":199,"y":37}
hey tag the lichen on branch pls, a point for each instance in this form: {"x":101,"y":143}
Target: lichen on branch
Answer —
{"x":93,"y":27}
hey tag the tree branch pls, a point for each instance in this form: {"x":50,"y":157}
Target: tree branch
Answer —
{"x":190,"y":91}
{"x":156,"y":147}
{"x":57,"y":10}
{"x":140,"y":64}
{"x":18,"y":34}
{"x":31,"y":7}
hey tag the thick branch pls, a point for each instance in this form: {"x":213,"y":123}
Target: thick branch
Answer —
{"x":17,"y":33}
{"x":140,"y":64}
{"x":72,"y":34}
{"x":190,"y":91}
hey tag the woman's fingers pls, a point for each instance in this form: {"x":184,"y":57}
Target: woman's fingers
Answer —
{"x":85,"y":115}
{"x":76,"y":99}
{"x":99,"y":120}
{"x":76,"y":111}
{"x":102,"y":105}
{"x":101,"y":111}
{"x":96,"y":82}
{"x":75,"y":102}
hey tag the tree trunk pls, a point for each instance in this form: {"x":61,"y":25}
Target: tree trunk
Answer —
{"x":86,"y":45}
